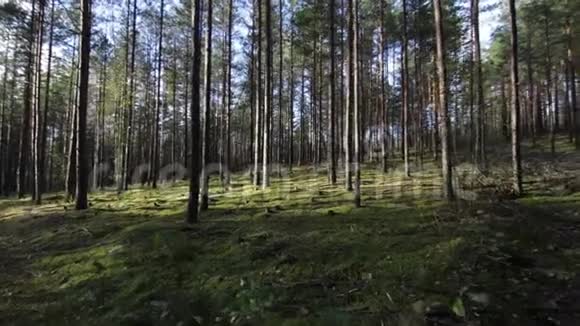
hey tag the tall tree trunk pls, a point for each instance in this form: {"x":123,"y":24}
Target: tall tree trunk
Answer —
{"x":128,"y":141}
{"x":480,"y":129}
{"x":444,"y":119}
{"x":186,"y":155}
{"x":192,"y":205}
{"x":280,"y":87}
{"x":258,"y":105}
{"x":174,"y":110}
{"x":291,"y":105}
{"x":572,"y":71}
{"x":515,"y":112}
{"x":354,"y":76}
{"x":382,"y":105}
{"x":82,"y":148}
{"x":71,"y":167}
{"x":301,"y":146}
{"x":267,"y":96}
{"x":252,"y":81}
{"x":227,"y":150}
{"x":37,"y":129}
{"x":3,"y":99}
{"x":154,"y":171}
{"x":332,"y":100}
{"x":349,"y":99}
{"x":504,"y":111}
{"x":27,"y":111}
{"x":405,"y":126}
{"x":206,"y":160}
{"x":44,"y":119}
{"x":549,"y":84}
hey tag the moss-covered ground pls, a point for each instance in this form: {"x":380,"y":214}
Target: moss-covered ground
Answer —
{"x":300,"y":254}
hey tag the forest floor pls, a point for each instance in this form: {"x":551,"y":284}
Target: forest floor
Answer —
{"x":300,"y":254}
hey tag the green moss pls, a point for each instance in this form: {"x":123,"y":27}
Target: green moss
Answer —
{"x":297,"y":253}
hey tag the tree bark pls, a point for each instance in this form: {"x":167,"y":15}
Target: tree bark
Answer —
{"x":154,"y":172}
{"x":405,"y":126}
{"x":382,"y":106}
{"x":129,"y":136}
{"x":515,"y":111}
{"x":258,"y":105}
{"x":480,"y":129}
{"x":332,"y":100}
{"x":27,"y":110}
{"x":267,"y":96}
{"x":205,"y":158}
{"x":193,"y":201}
{"x":82,"y":148}
{"x":354,"y":76}
{"x":444,"y":119}
{"x":349,"y":99}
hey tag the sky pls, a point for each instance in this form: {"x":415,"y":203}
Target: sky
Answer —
{"x":488,"y":22}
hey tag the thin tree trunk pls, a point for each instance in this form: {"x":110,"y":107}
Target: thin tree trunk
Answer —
{"x":382,"y":106}
{"x":504,"y":112}
{"x":128,"y":141}
{"x":37,"y":108}
{"x":267,"y":96}
{"x":405,"y":126}
{"x":47,"y":98}
{"x":229,"y":98}
{"x":549,"y":85}
{"x":356,"y":114}
{"x":291,"y":105}
{"x":154,"y":174}
{"x":71,"y":174}
{"x":444,"y":119}
{"x":575,"y":125}
{"x":280,"y":87}
{"x":515,"y":112}
{"x":480,"y":129}
{"x":258,"y":104}
{"x":332,"y":100}
{"x":349,"y":99}
{"x":206,"y":160}
{"x":3,"y":172}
